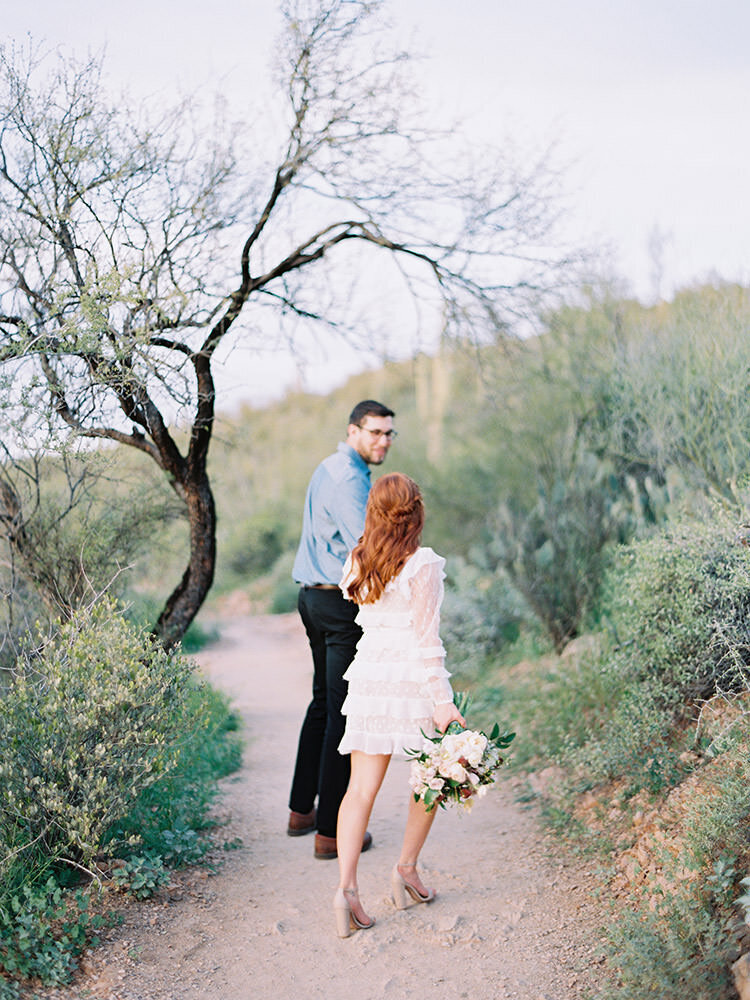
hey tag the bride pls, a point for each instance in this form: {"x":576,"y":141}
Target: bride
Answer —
{"x":398,"y":684}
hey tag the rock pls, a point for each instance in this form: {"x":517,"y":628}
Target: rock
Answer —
{"x":741,"y":973}
{"x":581,"y":646}
{"x":541,"y":781}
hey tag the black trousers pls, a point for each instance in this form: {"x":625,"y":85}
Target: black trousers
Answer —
{"x":320,"y":769}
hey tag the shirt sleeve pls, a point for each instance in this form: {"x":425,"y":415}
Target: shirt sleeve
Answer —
{"x":425,"y":600}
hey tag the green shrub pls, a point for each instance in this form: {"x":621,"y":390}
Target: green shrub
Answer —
{"x":557,"y":551}
{"x":253,"y":546}
{"x":679,"y":940}
{"x":9,"y":990}
{"x":622,"y":709}
{"x":88,"y":723}
{"x":142,"y":612}
{"x":678,"y":398}
{"x":637,"y":742}
{"x":680,"y":609}
{"x":678,"y":617}
{"x":43,"y":930}
{"x":284,"y":591}
{"x":109,"y":745}
{"x":681,"y":950}
{"x":182,"y":846}
{"x":717,"y":821}
{"x":141,"y":876}
{"x":481,"y":617}
{"x":163,"y":819}
{"x":557,"y":704}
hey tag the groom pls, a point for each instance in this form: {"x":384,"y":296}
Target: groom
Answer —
{"x":333,"y":520}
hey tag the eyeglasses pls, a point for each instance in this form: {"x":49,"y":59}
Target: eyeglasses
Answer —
{"x":390,"y":435}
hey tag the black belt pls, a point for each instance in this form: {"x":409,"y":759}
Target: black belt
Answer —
{"x":320,"y":586}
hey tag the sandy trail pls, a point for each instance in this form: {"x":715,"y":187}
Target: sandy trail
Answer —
{"x":513,"y":919}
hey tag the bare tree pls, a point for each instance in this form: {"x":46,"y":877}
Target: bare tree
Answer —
{"x":65,"y":536}
{"x":129,"y":248}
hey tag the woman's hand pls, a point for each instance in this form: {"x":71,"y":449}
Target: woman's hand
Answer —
{"x":445,"y":714}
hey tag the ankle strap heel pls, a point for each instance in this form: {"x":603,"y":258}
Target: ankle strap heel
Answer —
{"x":401,"y":889}
{"x":346,"y":919}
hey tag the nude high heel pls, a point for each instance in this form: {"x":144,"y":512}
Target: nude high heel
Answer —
{"x":346,"y":920}
{"x":400,"y":887}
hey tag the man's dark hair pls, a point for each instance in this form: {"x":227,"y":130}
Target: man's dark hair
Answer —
{"x":369,"y":408}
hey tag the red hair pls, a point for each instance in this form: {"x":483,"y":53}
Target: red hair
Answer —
{"x":393,"y":527}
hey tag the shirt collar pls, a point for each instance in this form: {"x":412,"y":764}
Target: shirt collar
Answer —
{"x":354,"y":456}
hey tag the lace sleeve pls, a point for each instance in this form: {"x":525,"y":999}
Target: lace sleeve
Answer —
{"x":426,"y":598}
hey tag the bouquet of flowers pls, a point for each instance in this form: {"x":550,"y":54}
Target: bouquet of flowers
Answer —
{"x":456,"y":766}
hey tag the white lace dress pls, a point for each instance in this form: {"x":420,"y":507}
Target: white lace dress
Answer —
{"x":398,"y":675}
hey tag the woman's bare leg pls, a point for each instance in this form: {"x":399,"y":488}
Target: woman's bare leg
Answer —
{"x":418,"y":824}
{"x":368,"y":771}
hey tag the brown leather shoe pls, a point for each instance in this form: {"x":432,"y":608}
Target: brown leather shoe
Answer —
{"x":325,"y":847}
{"x":300,"y":823}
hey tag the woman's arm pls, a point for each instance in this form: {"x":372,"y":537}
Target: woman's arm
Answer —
{"x":426,"y":598}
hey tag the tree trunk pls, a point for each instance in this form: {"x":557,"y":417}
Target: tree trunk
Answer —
{"x":186,"y":600}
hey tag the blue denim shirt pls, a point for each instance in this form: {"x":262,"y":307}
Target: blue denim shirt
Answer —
{"x":334,"y":516}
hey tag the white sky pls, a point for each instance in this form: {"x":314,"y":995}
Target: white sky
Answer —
{"x":648,"y":100}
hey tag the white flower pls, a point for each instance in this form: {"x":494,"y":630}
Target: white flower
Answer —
{"x":454,"y":771}
{"x":419,"y":776}
{"x":473,"y":747}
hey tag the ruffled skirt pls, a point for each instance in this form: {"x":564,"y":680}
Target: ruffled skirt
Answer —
{"x":388,"y":704}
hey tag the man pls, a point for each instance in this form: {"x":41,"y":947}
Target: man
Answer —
{"x":334,"y":518}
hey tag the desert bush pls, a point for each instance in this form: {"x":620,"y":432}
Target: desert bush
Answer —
{"x":678,"y":631}
{"x":681,"y":938}
{"x":42,"y":931}
{"x":556,"y":704}
{"x":71,"y":528}
{"x":679,"y":609}
{"x":675,"y":630}
{"x":142,"y":610}
{"x":110,"y":747}
{"x":717,"y":815}
{"x":624,"y":708}
{"x":680,"y":950}
{"x":284,"y":591}
{"x":91,"y":719}
{"x":556,"y":552}
{"x":164,"y":819}
{"x":677,"y":397}
{"x":637,"y":742}
{"x":252,"y":547}
{"x":141,"y":876}
{"x":481,"y":616}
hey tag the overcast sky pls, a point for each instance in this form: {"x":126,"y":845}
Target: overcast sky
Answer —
{"x":647,"y":99}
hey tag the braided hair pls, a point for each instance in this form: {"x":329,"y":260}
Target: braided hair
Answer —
{"x":393,"y":527}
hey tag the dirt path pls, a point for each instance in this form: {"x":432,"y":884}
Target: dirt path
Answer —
{"x":512,"y":920}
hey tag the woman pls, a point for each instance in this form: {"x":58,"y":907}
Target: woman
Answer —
{"x":398,"y":684}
